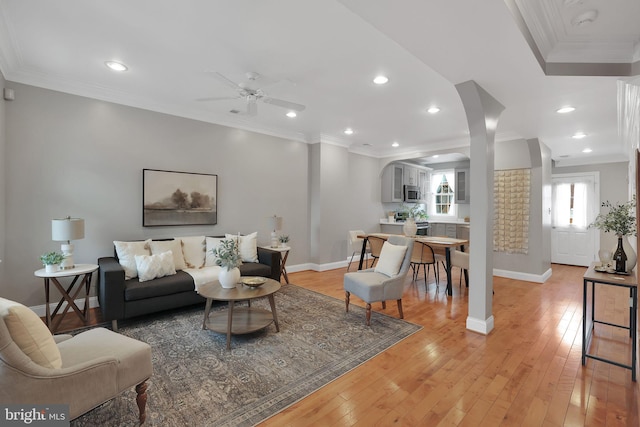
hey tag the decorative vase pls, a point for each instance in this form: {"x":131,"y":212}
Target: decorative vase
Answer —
{"x":620,"y":257}
{"x":51,"y":268}
{"x":632,"y":257}
{"x":229,"y":278}
{"x":410,"y":228}
{"x":605,"y":256}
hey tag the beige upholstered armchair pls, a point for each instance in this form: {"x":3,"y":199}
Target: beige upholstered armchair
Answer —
{"x":83,"y":371}
{"x":385,"y":282}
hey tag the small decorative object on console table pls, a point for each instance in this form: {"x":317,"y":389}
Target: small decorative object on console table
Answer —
{"x":621,"y":220}
{"x":51,"y":261}
{"x":284,"y":239}
{"x":228,"y":258}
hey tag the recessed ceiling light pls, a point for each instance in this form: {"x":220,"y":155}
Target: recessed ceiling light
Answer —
{"x":291,"y":114}
{"x":435,"y":156}
{"x":380,"y":80}
{"x":433,"y":110}
{"x":587,"y":150}
{"x":566,"y":109}
{"x":395,"y":144}
{"x":116,"y":66}
{"x":348,"y":131}
{"x":579,"y":135}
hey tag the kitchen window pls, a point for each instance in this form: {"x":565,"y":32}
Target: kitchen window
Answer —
{"x":442,"y":193}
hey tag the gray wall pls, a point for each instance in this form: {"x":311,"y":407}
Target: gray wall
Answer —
{"x":344,"y":195}
{"x":614,"y":186}
{"x":68,"y":155}
{"x":3,"y":173}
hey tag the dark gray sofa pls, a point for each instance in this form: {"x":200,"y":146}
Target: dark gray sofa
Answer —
{"x":123,"y":299}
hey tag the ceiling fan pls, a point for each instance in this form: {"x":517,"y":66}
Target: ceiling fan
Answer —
{"x":251,"y":95}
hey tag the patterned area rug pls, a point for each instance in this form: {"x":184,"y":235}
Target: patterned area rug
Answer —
{"x":198,"y":382}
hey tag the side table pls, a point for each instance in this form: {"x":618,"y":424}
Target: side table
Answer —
{"x":284,"y":254}
{"x":592,"y":277}
{"x":81,"y":272}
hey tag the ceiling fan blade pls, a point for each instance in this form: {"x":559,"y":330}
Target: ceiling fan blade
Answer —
{"x":284,"y":104}
{"x":233,"y":85}
{"x":252,"y":108}
{"x":218,"y":98}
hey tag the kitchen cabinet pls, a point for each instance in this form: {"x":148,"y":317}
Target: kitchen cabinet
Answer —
{"x":438,"y":229}
{"x":392,"y":181}
{"x":462,"y":186}
{"x":410,"y":175}
{"x":451,"y":230}
{"x":423,"y":183}
{"x":462,"y":232}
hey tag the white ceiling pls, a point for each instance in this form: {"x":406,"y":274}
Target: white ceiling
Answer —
{"x":325,"y":53}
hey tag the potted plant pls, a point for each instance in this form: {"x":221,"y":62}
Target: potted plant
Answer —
{"x":228,"y":257}
{"x":284,"y":239}
{"x":621,"y":220}
{"x":51,"y":261}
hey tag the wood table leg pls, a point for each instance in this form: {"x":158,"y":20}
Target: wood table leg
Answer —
{"x":229,"y":323}
{"x":272,"y":302}
{"x":207,"y":310}
{"x":47,"y":309}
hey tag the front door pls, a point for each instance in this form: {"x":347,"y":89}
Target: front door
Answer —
{"x":574,"y":207}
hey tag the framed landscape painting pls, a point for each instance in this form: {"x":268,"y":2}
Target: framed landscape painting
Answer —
{"x":178,"y":198}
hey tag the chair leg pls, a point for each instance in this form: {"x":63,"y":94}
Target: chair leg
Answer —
{"x":350,"y":261}
{"x":368,"y":314}
{"x":346,"y":300}
{"x":141,"y":400}
{"x":384,"y":305}
{"x":400,"y":309}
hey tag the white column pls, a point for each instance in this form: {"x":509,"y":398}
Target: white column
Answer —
{"x":482,"y":112}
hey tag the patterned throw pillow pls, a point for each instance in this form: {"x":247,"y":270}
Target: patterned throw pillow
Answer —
{"x":153,"y":266}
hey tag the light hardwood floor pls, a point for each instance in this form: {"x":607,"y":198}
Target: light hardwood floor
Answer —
{"x":526,"y":372}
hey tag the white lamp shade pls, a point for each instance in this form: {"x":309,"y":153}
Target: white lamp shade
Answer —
{"x":275,"y":222}
{"x":66,"y":229}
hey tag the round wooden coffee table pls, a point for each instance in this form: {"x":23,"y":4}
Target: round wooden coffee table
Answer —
{"x":240,"y":320}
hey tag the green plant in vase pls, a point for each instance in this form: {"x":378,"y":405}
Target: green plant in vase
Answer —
{"x":51,"y":260}
{"x":227,"y":256}
{"x":283,"y":239}
{"x":621,"y":220}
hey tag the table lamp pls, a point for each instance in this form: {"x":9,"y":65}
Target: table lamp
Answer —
{"x":275,"y":224}
{"x":65,"y":230}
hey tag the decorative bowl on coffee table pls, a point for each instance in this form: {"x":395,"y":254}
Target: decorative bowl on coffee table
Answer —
{"x":253,"y":282}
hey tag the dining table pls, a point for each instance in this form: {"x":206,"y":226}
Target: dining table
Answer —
{"x":436,"y":242}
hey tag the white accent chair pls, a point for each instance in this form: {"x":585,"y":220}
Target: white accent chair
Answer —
{"x":460,"y":259}
{"x":372,"y":285}
{"x":82,"y":371}
{"x":355,"y":245}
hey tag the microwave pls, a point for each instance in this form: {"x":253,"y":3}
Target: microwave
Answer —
{"x":412,"y":193}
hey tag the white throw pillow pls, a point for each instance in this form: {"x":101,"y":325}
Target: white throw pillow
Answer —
{"x":127,"y":251}
{"x":175,"y":246}
{"x":30,"y":334}
{"x":248,"y":246}
{"x":193,"y":249}
{"x":154,"y":266}
{"x":391,"y":257}
{"x":211,"y":244}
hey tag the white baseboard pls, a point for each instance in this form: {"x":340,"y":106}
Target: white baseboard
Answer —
{"x":527,"y":277}
{"x":41,"y":310}
{"x":479,"y":325}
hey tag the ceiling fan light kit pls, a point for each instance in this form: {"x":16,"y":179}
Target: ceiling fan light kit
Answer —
{"x":251,"y":96}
